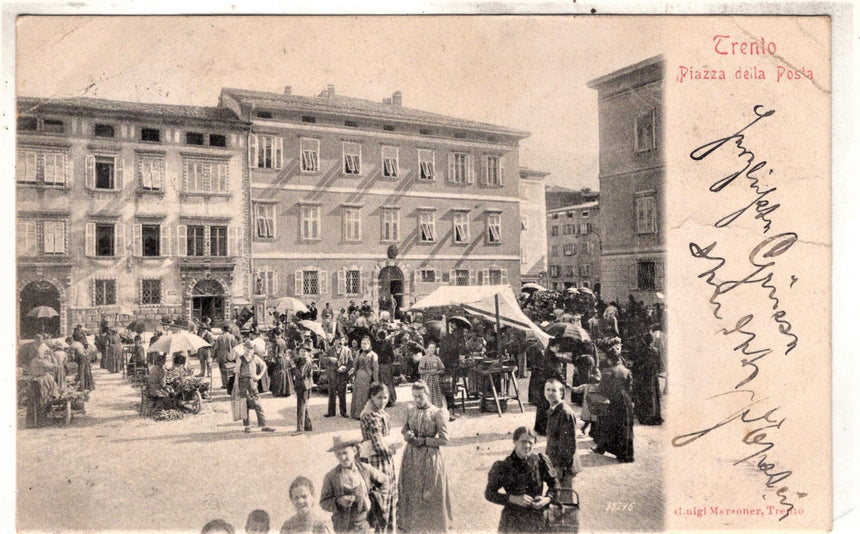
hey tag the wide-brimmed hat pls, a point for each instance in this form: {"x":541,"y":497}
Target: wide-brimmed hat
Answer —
{"x":341,"y":443}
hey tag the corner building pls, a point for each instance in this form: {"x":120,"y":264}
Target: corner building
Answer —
{"x":129,"y":210}
{"x":359,"y":200}
{"x":632,"y":181}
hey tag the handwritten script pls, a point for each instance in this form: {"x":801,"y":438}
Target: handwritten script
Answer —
{"x":746,"y":329}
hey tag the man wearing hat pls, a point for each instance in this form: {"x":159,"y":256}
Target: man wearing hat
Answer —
{"x":250,"y":369}
{"x":348,"y":488}
{"x":205,"y":353}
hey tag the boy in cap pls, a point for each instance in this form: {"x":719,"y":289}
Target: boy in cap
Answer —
{"x":249,"y":370}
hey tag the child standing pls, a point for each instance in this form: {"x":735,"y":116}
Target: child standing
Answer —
{"x":590,"y":387}
{"x":307,"y":520}
{"x":303,"y":382}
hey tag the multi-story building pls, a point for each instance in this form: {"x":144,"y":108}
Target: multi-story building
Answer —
{"x":127,"y":209}
{"x":574,"y":246}
{"x":560,"y":197}
{"x":532,"y":214}
{"x":353,"y":199}
{"x":632,"y":180}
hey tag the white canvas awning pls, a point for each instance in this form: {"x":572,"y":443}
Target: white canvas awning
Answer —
{"x":481,"y":301}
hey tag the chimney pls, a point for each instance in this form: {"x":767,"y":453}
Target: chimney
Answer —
{"x":330,"y":91}
{"x":397,"y":99}
{"x":288,"y":90}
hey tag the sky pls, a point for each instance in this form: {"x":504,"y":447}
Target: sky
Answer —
{"x":523,"y":72}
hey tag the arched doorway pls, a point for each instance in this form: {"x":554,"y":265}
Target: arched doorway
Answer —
{"x":390,"y":288}
{"x":39,"y":293}
{"x":207,"y":300}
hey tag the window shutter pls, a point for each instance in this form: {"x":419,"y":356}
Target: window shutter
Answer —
{"x":182,"y":240}
{"x":633,"y":276}
{"x":240,"y":241}
{"x":164,"y":230}
{"x":274,"y":282}
{"x":90,"y":180}
{"x":185,"y":166}
{"x":279,"y":152}
{"x":470,"y":169}
{"x":450,"y":167}
{"x":485,"y":171}
{"x":658,"y":275}
{"x":341,"y":282}
{"x":252,"y":151}
{"x":119,"y":168}
{"x":501,"y":171}
{"x":231,"y":240}
{"x":67,"y":172}
{"x":119,"y":239}
{"x":323,"y":282}
{"x":137,"y":239}
{"x":90,"y":240}
{"x":345,"y":229}
{"x":504,"y":277}
{"x":485,"y":277}
{"x":364,"y":279}
{"x":473,"y":277}
{"x":300,"y":280}
{"x":438,"y":276}
{"x":452,"y":277}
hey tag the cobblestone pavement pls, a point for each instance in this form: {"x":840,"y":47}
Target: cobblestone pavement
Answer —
{"x":113,"y":470}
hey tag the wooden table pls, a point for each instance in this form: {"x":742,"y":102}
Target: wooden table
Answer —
{"x":506,"y":375}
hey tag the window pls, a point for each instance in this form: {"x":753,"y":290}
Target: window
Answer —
{"x":461,"y":227}
{"x":568,"y":229}
{"x":388,"y":127}
{"x":150,"y":291}
{"x":425,"y":131}
{"x":266,"y":282}
{"x":103,"y":130}
{"x":266,"y":152}
{"x":151,"y":240}
{"x":569,"y":270}
{"x":390,"y":166}
{"x":264,"y":215}
{"x":105,"y":241}
{"x":310,"y":154}
{"x":553,"y":250}
{"x":584,"y":228}
{"x":555,"y":271}
{"x":151,"y":171}
{"x":310,"y":283}
{"x":460,"y":168}
{"x":351,"y":124}
{"x":461,"y":277}
{"x":150,"y":134}
{"x":196,"y":237}
{"x":494,"y":277}
{"x":351,"y":158}
{"x":352,"y":224}
{"x":554,"y":230}
{"x":646,"y":214}
{"x":28,"y":124}
{"x":310,"y":222}
{"x":104,"y":293}
{"x":217,"y":240}
{"x":584,"y":213}
{"x":585,"y":283}
{"x":428,"y":276}
{"x":53,"y":126}
{"x":568,"y":249}
{"x":590,"y":249}
{"x":54,"y":237}
{"x":493,"y":171}
{"x":645,"y":275}
{"x":193,"y":138}
{"x":263,"y":114}
{"x":217,"y":140}
{"x":554,"y":216}
{"x":309,"y":118}
{"x":427,"y":226}
{"x":426,"y":164}
{"x":48,"y":168}
{"x":353,"y":282}
{"x":105,"y":172}
{"x":200,"y":176}
{"x":584,"y":270}
{"x":390,"y":224}
{"x":569,"y":214}
{"x":645,"y":138}
{"x":494,"y":228}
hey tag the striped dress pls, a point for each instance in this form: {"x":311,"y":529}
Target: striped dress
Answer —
{"x":430,"y":368}
{"x":375,"y":425}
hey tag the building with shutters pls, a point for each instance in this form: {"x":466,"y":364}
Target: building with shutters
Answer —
{"x":533,"y":245}
{"x":127,"y":209}
{"x":632,"y":181}
{"x":359,"y":200}
{"x":573,"y":239}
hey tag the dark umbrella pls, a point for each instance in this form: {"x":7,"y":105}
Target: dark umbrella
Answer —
{"x":42,"y":313}
{"x":462,"y":321}
{"x":140,"y":326}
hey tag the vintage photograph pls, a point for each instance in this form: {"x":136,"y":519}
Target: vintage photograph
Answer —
{"x":345,"y":274}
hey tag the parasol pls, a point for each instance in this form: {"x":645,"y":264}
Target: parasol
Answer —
{"x":178,"y":342}
{"x":314,"y":327}
{"x":531,"y":286}
{"x":42,"y":313}
{"x":461,"y":320}
{"x":289,"y":304}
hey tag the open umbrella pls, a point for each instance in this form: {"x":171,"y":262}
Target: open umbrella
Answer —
{"x":462,"y":321}
{"x":42,"y":313}
{"x":289,"y":304}
{"x":140,"y":326}
{"x":180,"y":341}
{"x":531,"y":286}
{"x":314,"y":327}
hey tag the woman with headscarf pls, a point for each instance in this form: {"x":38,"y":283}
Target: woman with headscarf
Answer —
{"x":613,"y":433}
{"x":424,"y":493}
{"x":375,"y":426}
{"x":430,"y":367}
{"x":366,"y":372}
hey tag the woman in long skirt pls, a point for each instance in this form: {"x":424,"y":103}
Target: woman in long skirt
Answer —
{"x":113,"y":353}
{"x":376,"y":425}
{"x":431,"y":368}
{"x":424,"y":494}
{"x":366,"y":369}
{"x":281,"y":376}
{"x":614,"y":432}
{"x":83,"y":358}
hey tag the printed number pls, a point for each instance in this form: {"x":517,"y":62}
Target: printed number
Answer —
{"x":619,"y":506}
